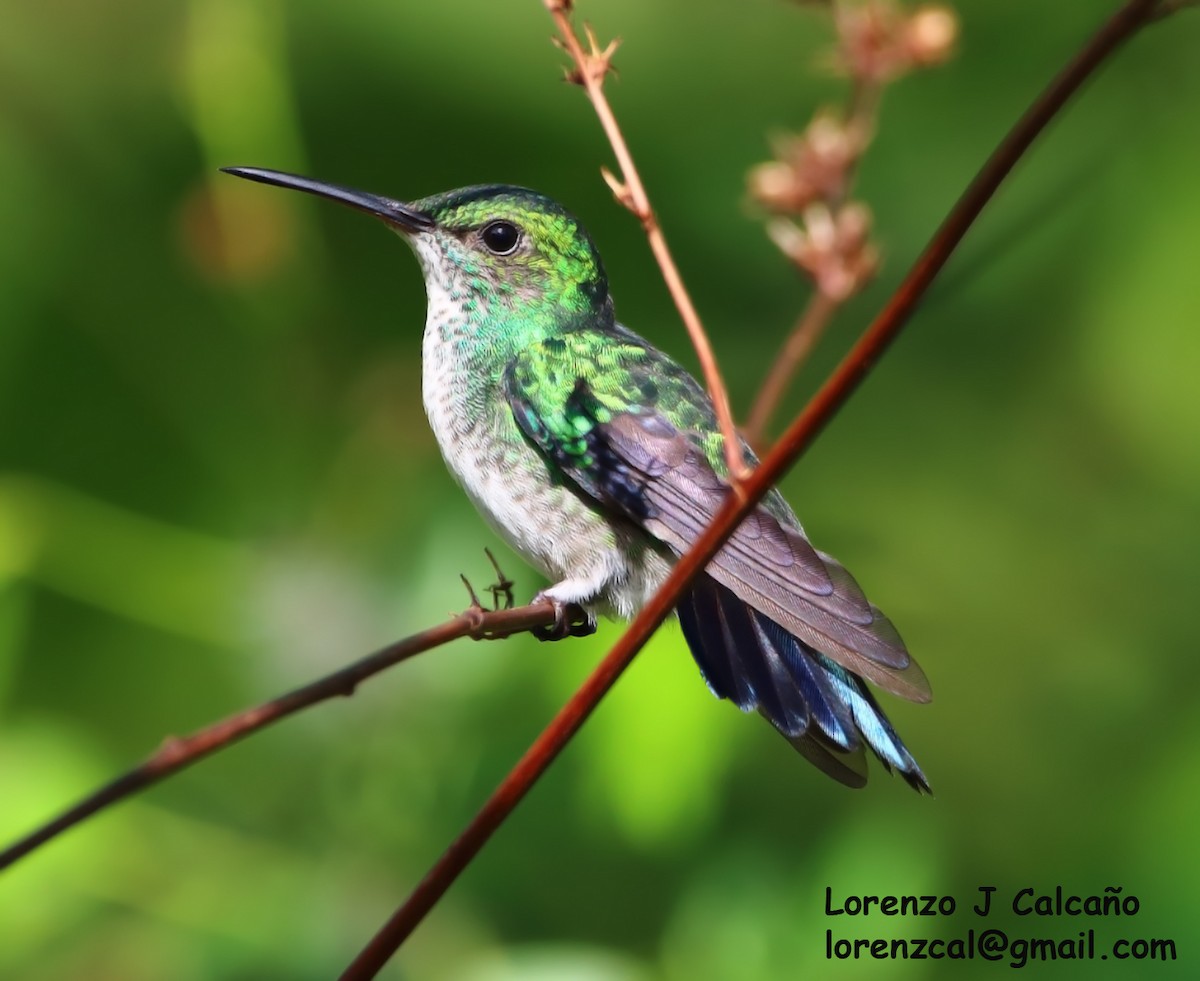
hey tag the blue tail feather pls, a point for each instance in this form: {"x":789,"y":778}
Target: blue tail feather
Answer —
{"x":826,"y":712}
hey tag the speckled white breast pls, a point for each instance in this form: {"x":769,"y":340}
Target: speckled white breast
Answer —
{"x":605,"y":565}
{"x":602,"y":564}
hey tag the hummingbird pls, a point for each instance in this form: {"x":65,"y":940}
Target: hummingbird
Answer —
{"x":599,"y":460}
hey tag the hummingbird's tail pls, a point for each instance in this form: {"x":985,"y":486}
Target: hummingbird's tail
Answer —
{"x":822,"y":709}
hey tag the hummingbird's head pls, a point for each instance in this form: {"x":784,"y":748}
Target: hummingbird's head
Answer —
{"x":486,"y":247}
{"x":512,"y":246}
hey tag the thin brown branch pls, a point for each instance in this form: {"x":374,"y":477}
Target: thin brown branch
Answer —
{"x":862,"y":118}
{"x":177,"y":753}
{"x":796,"y":349}
{"x":591,"y":67}
{"x":799,"y":435}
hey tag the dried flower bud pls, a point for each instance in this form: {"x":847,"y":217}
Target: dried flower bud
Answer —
{"x":853,"y":226}
{"x":879,"y":42}
{"x":833,"y":248}
{"x":930,"y":35}
{"x":811,"y":167}
{"x":869,"y":40}
{"x":773,"y":185}
{"x":830,"y":147}
{"x":786,"y":234}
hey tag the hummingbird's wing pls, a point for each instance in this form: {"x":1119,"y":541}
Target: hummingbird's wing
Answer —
{"x":635,"y":432}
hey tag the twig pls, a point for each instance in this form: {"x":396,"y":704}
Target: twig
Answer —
{"x":862,"y":117}
{"x":799,"y":435}
{"x":795,"y":351}
{"x":591,"y":67}
{"x":177,"y":753}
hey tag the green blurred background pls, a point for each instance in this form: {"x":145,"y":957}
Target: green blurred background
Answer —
{"x":216,"y":482}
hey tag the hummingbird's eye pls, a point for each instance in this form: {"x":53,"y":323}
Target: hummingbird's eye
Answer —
{"x":501,"y":237}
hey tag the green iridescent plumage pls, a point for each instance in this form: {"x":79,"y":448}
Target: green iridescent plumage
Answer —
{"x":557,"y":280}
{"x":623,"y":373}
{"x":599,"y":460}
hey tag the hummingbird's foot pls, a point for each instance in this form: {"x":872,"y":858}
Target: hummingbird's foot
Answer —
{"x":580,"y":622}
{"x":570,"y":620}
{"x":503,"y":586}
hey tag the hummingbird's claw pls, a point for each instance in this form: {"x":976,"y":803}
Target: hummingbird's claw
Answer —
{"x":580,"y":624}
{"x":570,"y":620}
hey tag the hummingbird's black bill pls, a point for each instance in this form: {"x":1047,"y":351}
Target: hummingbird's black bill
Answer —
{"x":394,"y":212}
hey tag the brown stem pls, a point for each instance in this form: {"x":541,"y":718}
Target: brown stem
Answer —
{"x":177,"y":753}
{"x":590,"y":71}
{"x":860,"y":113}
{"x":796,"y":349}
{"x":799,"y":435}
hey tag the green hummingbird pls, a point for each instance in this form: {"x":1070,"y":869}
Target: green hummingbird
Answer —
{"x":599,"y":460}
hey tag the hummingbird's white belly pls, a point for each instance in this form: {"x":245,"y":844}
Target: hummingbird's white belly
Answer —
{"x":606,"y":565}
